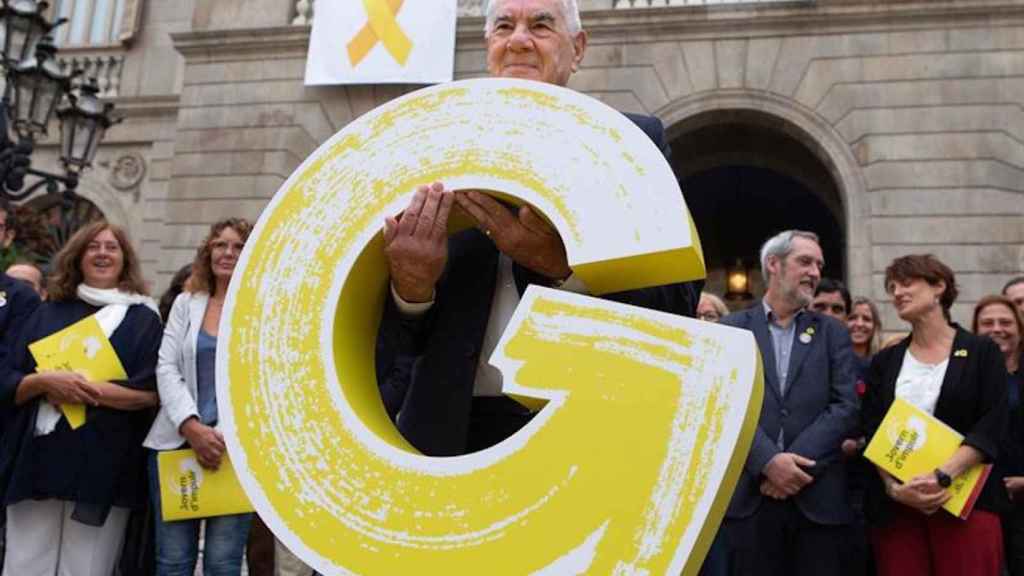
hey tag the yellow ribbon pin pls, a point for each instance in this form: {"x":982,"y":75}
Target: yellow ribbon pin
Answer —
{"x":381,"y":26}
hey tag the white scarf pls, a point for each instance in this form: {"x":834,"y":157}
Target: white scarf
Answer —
{"x":115,"y":305}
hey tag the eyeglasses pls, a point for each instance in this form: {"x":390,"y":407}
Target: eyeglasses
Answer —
{"x":708,"y":316}
{"x":222,"y":245}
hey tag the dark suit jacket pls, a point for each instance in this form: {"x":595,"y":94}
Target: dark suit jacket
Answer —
{"x":426,"y":366}
{"x":19,"y":301}
{"x":817,"y":412}
{"x":972,"y":401}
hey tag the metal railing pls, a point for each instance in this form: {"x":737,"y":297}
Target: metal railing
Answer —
{"x":105,"y":68}
{"x":666,"y":3}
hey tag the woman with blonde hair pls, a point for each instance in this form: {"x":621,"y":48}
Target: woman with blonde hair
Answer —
{"x":189,"y":414}
{"x":69,"y":491}
{"x":710,"y":308}
{"x":865,"y":324}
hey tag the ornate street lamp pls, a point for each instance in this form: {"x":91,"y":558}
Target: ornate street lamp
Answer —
{"x":36,"y":87}
{"x":83,"y":123}
{"x":23,"y":26}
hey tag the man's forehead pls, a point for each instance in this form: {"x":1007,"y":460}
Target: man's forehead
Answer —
{"x":532,"y":10}
{"x":805,"y":247}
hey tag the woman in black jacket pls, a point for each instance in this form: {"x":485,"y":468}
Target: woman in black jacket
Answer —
{"x":960,"y":379}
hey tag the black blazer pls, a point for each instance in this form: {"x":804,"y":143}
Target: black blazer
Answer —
{"x":426,"y":366}
{"x":972,"y":401}
{"x":17,"y":303}
{"x":816,"y":413}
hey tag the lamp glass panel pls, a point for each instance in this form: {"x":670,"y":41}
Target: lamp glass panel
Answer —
{"x":24,"y":102}
{"x":46,"y":101}
{"x":94,"y":142}
{"x":68,"y":125}
{"x":83,"y":140}
{"x":16,"y":37}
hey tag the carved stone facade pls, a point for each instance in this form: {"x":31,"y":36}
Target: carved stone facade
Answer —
{"x":911,"y":109}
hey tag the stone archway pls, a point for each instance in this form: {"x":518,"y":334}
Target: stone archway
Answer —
{"x":826,"y":166}
{"x":54,"y":221}
{"x":50,"y":223}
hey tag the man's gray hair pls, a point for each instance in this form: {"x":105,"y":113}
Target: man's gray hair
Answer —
{"x":781,"y":245}
{"x":570,"y":11}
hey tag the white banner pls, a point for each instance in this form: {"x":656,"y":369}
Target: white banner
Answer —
{"x":382,"y":41}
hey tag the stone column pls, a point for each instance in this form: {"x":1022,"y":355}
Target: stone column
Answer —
{"x":236,"y":14}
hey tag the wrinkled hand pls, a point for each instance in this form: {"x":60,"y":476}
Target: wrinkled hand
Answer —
{"x":69,"y":388}
{"x":922,"y":493}
{"x":416,"y":243}
{"x":524,"y":236}
{"x":784,"y":472}
{"x":772,"y":491}
{"x":1014,"y":485}
{"x":207,"y":442}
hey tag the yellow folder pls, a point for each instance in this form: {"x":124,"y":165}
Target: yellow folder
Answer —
{"x":187,"y":490}
{"x":83,"y":348}
{"x":911,"y":442}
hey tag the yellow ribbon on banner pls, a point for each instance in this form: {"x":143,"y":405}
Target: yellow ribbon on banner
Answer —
{"x":381,"y":26}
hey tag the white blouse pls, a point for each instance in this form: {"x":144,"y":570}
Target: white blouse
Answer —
{"x":920,"y":383}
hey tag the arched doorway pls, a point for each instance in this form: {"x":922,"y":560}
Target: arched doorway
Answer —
{"x":752,"y":164}
{"x":45,"y":223}
{"x":745,"y":181}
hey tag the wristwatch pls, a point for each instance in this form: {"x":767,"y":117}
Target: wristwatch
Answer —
{"x":943,"y":479}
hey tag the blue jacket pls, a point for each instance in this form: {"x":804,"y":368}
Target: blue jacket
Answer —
{"x":817,"y":412}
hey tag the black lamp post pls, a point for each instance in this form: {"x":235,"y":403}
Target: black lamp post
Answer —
{"x":36,"y":87}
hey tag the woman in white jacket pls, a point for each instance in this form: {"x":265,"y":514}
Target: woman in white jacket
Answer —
{"x":188,"y":406}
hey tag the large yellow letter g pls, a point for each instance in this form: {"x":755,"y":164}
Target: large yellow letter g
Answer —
{"x":647,"y":417}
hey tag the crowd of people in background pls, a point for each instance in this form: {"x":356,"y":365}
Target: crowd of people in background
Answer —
{"x":86,"y":501}
{"x":809,"y":504}
{"x":969,"y":380}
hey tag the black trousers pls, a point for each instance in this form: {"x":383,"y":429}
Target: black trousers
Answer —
{"x":778,"y":540}
{"x":1013,"y":537}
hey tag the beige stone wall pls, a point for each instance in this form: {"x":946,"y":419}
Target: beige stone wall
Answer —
{"x":130,"y":177}
{"x":152,"y":84}
{"x":915,"y":107}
